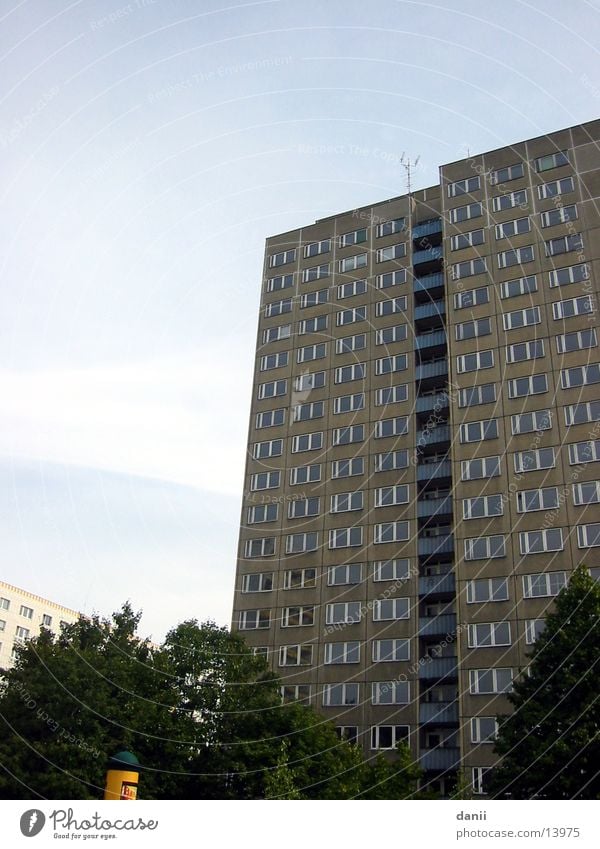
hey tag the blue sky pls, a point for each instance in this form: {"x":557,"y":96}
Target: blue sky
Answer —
{"x":148,"y":148}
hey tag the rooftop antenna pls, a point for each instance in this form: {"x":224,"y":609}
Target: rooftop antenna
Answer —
{"x":408,"y":165}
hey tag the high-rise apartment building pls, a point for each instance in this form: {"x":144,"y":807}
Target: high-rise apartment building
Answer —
{"x":424,"y":449}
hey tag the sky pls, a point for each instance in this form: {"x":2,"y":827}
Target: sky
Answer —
{"x":147,"y":150}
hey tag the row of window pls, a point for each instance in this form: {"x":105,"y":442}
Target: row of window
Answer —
{"x":340,"y":575}
{"x":345,"y":265}
{"x":511,"y":200}
{"x":530,"y":542}
{"x":508,"y":173}
{"x":350,"y":289}
{"x":384,"y":428}
{"x":517,"y":227}
{"x":518,"y":256}
{"x":486,"y":429}
{"x":483,"y":730}
{"x":389,"y":306}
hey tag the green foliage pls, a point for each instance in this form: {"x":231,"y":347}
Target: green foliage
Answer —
{"x":391,"y":779}
{"x":551,"y":742}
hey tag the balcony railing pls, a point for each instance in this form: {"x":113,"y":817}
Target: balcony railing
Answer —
{"x":429,"y":281}
{"x":440,"y":758}
{"x":438,"y":668}
{"x":431,"y":309}
{"x":430,"y":340}
{"x":433,"y":435}
{"x":436,"y":545}
{"x":436,"y":369}
{"x":427,"y":255}
{"x":427,"y":228}
{"x":427,"y":403}
{"x":437,"y":584}
{"x":432,"y":471}
{"x":438,"y":713}
{"x":437,"y":626}
{"x":434,"y":506}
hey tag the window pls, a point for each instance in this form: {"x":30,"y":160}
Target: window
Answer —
{"x":505,"y":175}
{"x":391,"y":306}
{"x":471,"y":298}
{"x":348,"y":733}
{"x":270,"y":418}
{"x":2,"y":626}
{"x":472,"y":329}
{"x":509,"y":201}
{"x":516,"y":256}
{"x":305,"y":474}
{"x":391,"y":395}
{"x":251,"y":620}
{"x":478,"y":431}
{"x":340,"y":694}
{"x":564,"y":244}
{"x":344,"y":502}
{"x":390,"y":693}
{"x":538,"y":542}
{"x":518,"y":286}
{"x":523,"y":351}
{"x":572,"y":307}
{"x":298,"y":655}
{"x":22,"y":633}
{"x":353,"y":263}
{"x":390,"y":365}
{"x":312,"y":352}
{"x":262,"y":513}
{"x":470,"y":268}
{"x":569,"y":274}
{"x":297,"y":616}
{"x":351,"y":316}
{"x":391,"y":461}
{"x":343,"y":613}
{"x":513,"y":228}
{"x":521,"y":318}
{"x":467,"y":240}
{"x":349,"y":403}
{"x":276,"y":284}
{"x":560,"y":215}
{"x":465,"y":213}
{"x":464,"y":187}
{"x":531,"y":422}
{"x":388,"y":228}
{"x":356,"y":237}
{"x":391,"y":427}
{"x":475,"y":361}
{"x":544,"y":584}
{"x":391,"y":650}
{"x":265,"y":480}
{"x":278,"y":308}
{"x":306,"y":412}
{"x":259,"y":582}
{"x":555,"y":188}
{"x":484,"y":729}
{"x":582,"y":413}
{"x":264,"y":547}
{"x":389,"y":335}
{"x":488,"y":634}
{"x":46,"y":620}
{"x":309,"y":380}
{"x":483,"y":506}
{"x":349,"y":573}
{"x":535,"y":384}
{"x":484,"y":467}
{"x":389,"y":609}
{"x":588,"y":536}
{"x":316,"y":272}
{"x":307,"y":442}
{"x":348,"y":435}
{"x":388,"y":496}
{"x":580,"y":376}
{"x":351,"y":343}
{"x":391,"y":252}
{"x":272,"y":448}
{"x":579,"y":340}
{"x":342,"y":652}
{"x":551,"y":160}
{"x":302,"y":508}
{"x":299,"y":579}
{"x":390,"y":278}
{"x":349,"y":290}
{"x":391,"y":532}
{"x":25,"y":611}
{"x":487,"y":589}
{"x":312,"y":299}
{"x":586,"y":493}
{"x":481,"y":777}
{"x":4,"y":604}
{"x":345,"y":537}
{"x":316,"y":248}
{"x":274,"y":334}
{"x":312,"y":325}
{"x":534,"y":460}
{"x":300,"y":543}
{"x":347,"y":468}
{"x":584,"y":452}
{"x":273,"y":389}
{"x":388,"y":736}
{"x":490,"y":681}
{"x":391,"y":570}
{"x":485,"y":548}
{"x":345,"y":374}
{"x":533,"y":629}
{"x":282,"y":258}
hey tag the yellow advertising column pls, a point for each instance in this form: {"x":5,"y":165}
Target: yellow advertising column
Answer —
{"x":122,"y":777}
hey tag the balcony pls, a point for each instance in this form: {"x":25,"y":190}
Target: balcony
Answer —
{"x":429,"y":282}
{"x":430,"y":310}
{"x":429,"y":255}
{"x":437,"y":584}
{"x":430,"y":340}
{"x":436,"y":369}
{"x":434,"y":507}
{"x":434,"y":471}
{"x":428,"y":403}
{"x":438,"y":713}
{"x":433,"y":436}
{"x":437,"y":626}
{"x":427,"y":228}
{"x":440,"y":759}
{"x":438,"y":668}
{"x":428,"y":546}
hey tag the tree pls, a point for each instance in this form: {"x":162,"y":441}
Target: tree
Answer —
{"x":387,"y":779}
{"x":550,"y":743}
